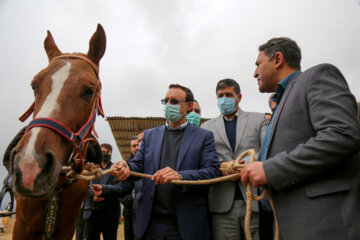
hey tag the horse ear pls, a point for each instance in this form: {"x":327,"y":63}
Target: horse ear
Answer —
{"x":97,"y":45}
{"x":50,"y":47}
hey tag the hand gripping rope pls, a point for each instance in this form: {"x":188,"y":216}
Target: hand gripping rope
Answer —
{"x":92,"y":172}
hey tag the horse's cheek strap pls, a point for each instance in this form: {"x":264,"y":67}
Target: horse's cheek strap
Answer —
{"x":28,"y":112}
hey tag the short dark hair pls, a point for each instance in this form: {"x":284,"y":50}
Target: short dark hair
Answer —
{"x":288,"y":47}
{"x":189,"y":94}
{"x":107,"y":146}
{"x":228,"y":82}
{"x":133,"y":138}
{"x":270,"y":99}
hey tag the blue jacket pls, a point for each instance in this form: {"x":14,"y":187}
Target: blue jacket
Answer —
{"x":110,"y":205}
{"x":197,"y":159}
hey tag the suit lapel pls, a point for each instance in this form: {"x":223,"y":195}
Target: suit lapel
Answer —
{"x":185,"y":144}
{"x":220,"y":128}
{"x":242,"y":120}
{"x":157,"y":149}
{"x":281,"y":105}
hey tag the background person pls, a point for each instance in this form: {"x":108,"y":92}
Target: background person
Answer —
{"x":194,"y":116}
{"x":137,"y":185}
{"x":272,"y":102}
{"x":235,"y":131}
{"x":268,"y":116}
{"x":266,"y":215}
{"x":272,"y":106}
{"x":105,"y":216}
{"x":310,"y":155}
{"x":128,"y":200}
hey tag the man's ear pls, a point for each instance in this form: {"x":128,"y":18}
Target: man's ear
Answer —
{"x":279,"y":60}
{"x":239,"y":97}
{"x":190,"y":105}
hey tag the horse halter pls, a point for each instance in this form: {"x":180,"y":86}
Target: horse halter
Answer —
{"x":81,"y":138}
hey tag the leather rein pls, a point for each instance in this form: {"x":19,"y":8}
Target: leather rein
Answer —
{"x":81,"y":138}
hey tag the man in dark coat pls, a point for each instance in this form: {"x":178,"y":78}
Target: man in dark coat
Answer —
{"x":177,"y":150}
{"x":310,"y":154}
{"x":105,"y":216}
{"x":128,"y":200}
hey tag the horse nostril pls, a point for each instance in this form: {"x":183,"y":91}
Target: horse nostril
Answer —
{"x":50,"y":162}
{"x":49,"y":156}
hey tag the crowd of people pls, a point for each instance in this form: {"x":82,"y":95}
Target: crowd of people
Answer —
{"x":307,"y":155}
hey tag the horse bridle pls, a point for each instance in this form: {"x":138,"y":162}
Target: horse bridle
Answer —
{"x":81,"y":138}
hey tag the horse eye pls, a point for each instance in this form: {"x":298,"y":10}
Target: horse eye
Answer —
{"x":89,"y":92}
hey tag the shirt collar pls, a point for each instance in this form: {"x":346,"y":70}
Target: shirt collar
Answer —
{"x":232,"y":118}
{"x":107,"y":166}
{"x":182,"y":126}
{"x":282,"y":86}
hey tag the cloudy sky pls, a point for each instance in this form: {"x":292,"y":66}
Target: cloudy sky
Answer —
{"x":153,"y":43}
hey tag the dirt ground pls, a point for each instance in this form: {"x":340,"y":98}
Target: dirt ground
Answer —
{"x":8,"y":227}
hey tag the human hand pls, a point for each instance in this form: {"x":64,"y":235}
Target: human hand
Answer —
{"x":122,"y":172}
{"x":254,"y":173}
{"x":226,"y":168}
{"x":98,"y":199}
{"x":165,"y":175}
{"x":97,"y":189}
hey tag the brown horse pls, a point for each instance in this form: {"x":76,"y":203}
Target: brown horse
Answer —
{"x":67,"y":93}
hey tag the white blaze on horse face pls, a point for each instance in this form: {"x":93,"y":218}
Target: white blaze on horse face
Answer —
{"x":28,"y":164}
{"x":58,"y":80}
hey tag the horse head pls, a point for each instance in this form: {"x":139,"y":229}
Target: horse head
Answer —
{"x":66,"y":92}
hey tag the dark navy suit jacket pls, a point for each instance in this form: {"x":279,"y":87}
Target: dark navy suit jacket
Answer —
{"x":197,"y":159}
{"x":111,"y":204}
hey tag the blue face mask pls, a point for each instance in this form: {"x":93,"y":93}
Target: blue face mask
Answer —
{"x":194,"y":118}
{"x":226,"y":105}
{"x":172,"y":112}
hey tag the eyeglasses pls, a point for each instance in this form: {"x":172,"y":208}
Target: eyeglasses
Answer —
{"x":171,"y":101}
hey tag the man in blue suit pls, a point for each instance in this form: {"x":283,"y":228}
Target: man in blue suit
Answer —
{"x":174,"y":151}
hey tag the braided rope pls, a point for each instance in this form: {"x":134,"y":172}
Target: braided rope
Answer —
{"x":92,"y":172}
{"x":250,"y":197}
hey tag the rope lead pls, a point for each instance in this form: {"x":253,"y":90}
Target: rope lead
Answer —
{"x":92,"y":172}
